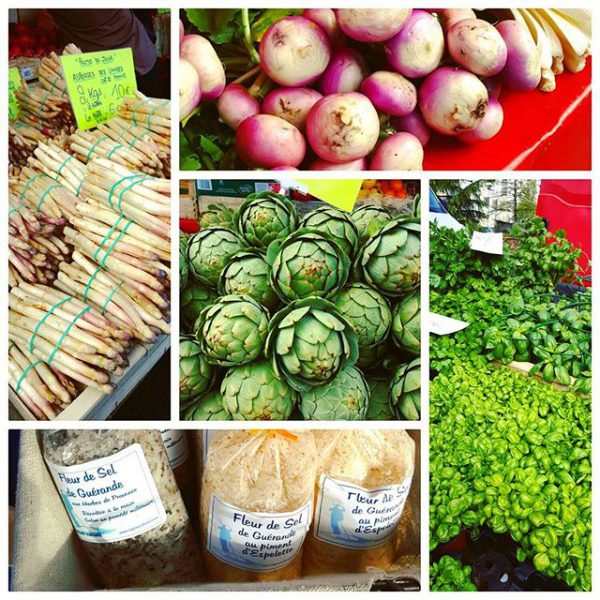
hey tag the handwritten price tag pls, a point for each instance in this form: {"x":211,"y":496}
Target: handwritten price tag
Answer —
{"x":490,"y":243}
{"x":97,"y":82}
{"x":14,"y":83}
{"x":440,"y":325}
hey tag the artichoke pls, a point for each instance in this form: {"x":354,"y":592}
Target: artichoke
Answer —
{"x":207,"y":408}
{"x":405,"y":391}
{"x":194,"y":298}
{"x":196,"y":375}
{"x":265,"y":217}
{"x":379,"y":400}
{"x":336,"y":223}
{"x":307,"y":264}
{"x":309,"y":343}
{"x":254,"y":393}
{"x":184,"y":269}
{"x":369,"y":219}
{"x":406,"y":324}
{"x":367,"y":311}
{"x":370,"y":357}
{"x":209,"y":250}
{"x":216,"y":215}
{"x":390,"y":261}
{"x":232,"y":331}
{"x":247,"y":274}
{"x":346,"y":398}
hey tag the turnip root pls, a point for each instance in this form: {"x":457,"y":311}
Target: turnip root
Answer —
{"x":523,"y":70}
{"x":490,"y":124}
{"x":295,"y":51}
{"x":189,"y":89}
{"x":342,"y":127}
{"x":199,"y":52}
{"x":235,"y":104}
{"x":372,"y":24}
{"x":345,"y":72}
{"x":452,"y":100}
{"x":414,"y":124}
{"x":477,"y":46}
{"x":418,"y":48}
{"x":399,"y":152}
{"x":267,"y":141}
{"x":390,"y":93}
{"x":360,"y":164}
{"x":449,"y":16}
{"x":291,"y":104}
{"x":325,"y":19}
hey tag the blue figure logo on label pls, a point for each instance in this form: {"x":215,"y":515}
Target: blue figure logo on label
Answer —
{"x":225,"y":538}
{"x":337,"y":516}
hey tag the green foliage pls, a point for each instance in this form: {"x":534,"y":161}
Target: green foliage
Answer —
{"x":450,"y":575}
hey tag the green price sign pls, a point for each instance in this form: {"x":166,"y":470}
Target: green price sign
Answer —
{"x":97,"y":82}
{"x":14,"y":83}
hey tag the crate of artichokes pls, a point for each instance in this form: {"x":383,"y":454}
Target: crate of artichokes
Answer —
{"x":311,"y":316}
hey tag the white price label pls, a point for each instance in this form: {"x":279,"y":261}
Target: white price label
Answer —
{"x":441,"y":325}
{"x":490,"y":243}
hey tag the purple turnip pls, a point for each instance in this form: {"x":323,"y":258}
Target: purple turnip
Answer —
{"x":414,"y":124}
{"x":477,"y":46}
{"x":342,"y":127}
{"x":390,"y":93}
{"x":295,"y":51}
{"x":202,"y":56}
{"x":493,"y":85}
{"x":291,"y":104}
{"x":345,"y":72}
{"x":490,"y":124}
{"x":372,"y":24}
{"x":523,"y":70}
{"x":452,"y":100}
{"x":325,"y":19}
{"x":418,"y":48}
{"x":399,"y":152}
{"x":267,"y":142}
{"x":189,"y":89}
{"x":360,"y":164}
{"x":235,"y":104}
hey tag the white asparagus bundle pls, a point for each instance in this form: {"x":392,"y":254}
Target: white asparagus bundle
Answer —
{"x":45,"y":111}
{"x":50,"y":73}
{"x":60,"y":165}
{"x":153,"y":113}
{"x":22,"y":140}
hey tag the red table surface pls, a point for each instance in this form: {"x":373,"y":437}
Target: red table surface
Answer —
{"x":542,"y":131}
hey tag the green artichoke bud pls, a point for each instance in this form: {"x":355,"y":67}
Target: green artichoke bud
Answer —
{"x":208,"y":252}
{"x":216,"y":215}
{"x":207,"y":408}
{"x":247,"y":274}
{"x":336,"y":223}
{"x":196,"y":375}
{"x":406,"y":324}
{"x":370,"y":357}
{"x":369,"y":219}
{"x":309,"y":343}
{"x":232,"y":331}
{"x":391,"y":260}
{"x":379,"y":400}
{"x":405,"y":391}
{"x":307,"y":264}
{"x":254,"y":393}
{"x":194,"y":298}
{"x":184,"y":269}
{"x":346,"y":398}
{"x":265,"y":217}
{"x":367,"y":311}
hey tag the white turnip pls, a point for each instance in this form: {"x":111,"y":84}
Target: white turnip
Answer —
{"x":291,"y":104}
{"x":295,"y":51}
{"x":189,"y":89}
{"x":490,"y":124}
{"x":399,"y":152}
{"x":345,"y":72}
{"x":235,"y":104}
{"x":452,"y":100}
{"x":449,"y":16}
{"x":199,"y":52}
{"x":477,"y":46}
{"x":342,"y":127}
{"x":418,"y":48}
{"x":523,"y":70}
{"x":360,"y":164}
{"x":372,"y":24}
{"x":390,"y":93}
{"x":414,"y":124}
{"x":267,"y":142}
{"x":325,"y":19}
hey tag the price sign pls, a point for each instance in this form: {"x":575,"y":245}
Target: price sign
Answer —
{"x":490,"y":243}
{"x":14,"y":83}
{"x":97,"y":82}
{"x":341,"y":193}
{"x":441,"y":325}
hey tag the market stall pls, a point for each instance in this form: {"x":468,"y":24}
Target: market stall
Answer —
{"x":89,"y":229}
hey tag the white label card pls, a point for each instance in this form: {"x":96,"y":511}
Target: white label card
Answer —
{"x":490,"y":243}
{"x":441,"y":325}
{"x":176,"y":446}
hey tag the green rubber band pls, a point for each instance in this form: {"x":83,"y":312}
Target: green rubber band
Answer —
{"x":124,"y":132}
{"x":62,"y":165}
{"x":79,"y":187}
{"x":43,"y":320}
{"x":106,"y":237}
{"x":16,"y":208}
{"x":109,"y":155}
{"x":114,"y":185}
{"x":66,"y":332}
{"x":114,"y":244}
{"x":134,"y":109}
{"x":159,"y":105}
{"x":94,"y":147}
{"x":88,"y":285}
{"x":41,"y":108}
{"x":31,"y":180}
{"x":137,"y":138}
{"x":109,"y":297}
{"x":126,"y":189}
{"x":43,"y":196}
{"x":33,"y":365}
